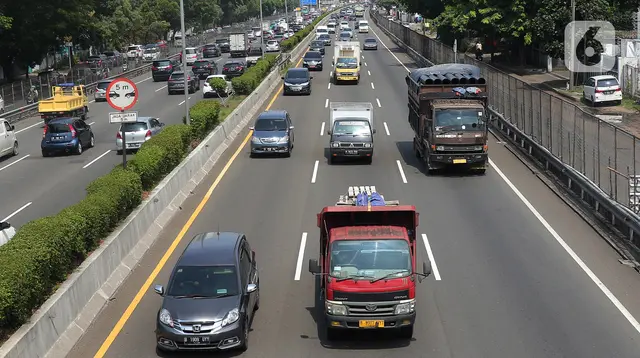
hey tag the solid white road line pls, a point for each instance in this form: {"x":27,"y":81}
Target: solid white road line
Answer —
{"x":322,"y":129}
{"x":146,"y":79}
{"x":92,"y":123}
{"x":303,"y":243}
{"x":326,"y":103}
{"x":92,"y":101}
{"x":569,"y":251}
{"x":29,"y":127}
{"x":392,"y":54}
{"x":386,"y":128}
{"x":404,"y":178}
{"x":315,"y":172}
{"x":161,"y":88}
{"x":95,"y":160}
{"x":432,"y":260}
{"x":17,"y":211}
{"x":372,"y":86}
{"x":378,"y":101}
{"x":14,"y":162}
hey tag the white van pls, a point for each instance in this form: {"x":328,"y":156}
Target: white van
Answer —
{"x":331,"y":27}
{"x":322,"y":30}
{"x":8,"y":141}
{"x":363,"y":26}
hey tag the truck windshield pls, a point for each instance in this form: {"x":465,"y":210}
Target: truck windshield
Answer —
{"x":370,"y":259}
{"x":352,"y":126}
{"x":347,"y":62}
{"x":465,"y":119}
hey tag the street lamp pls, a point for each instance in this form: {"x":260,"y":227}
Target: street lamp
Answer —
{"x":184,"y":63}
{"x":261,"y":31}
{"x":572,"y":80}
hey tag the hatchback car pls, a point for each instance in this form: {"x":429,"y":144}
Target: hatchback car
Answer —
{"x":176,"y":83}
{"x":233,"y":68}
{"x":224,"y":45}
{"x":161,"y":70}
{"x":370,"y":44}
{"x":212,"y":50}
{"x":272,"y":46}
{"x":66,"y":135}
{"x":192,"y":55}
{"x":136,"y":133}
{"x":602,"y":89}
{"x":208,"y":91}
{"x":347,"y":30}
{"x":344,"y":36}
{"x":204,"y":68}
{"x":312,"y":60}
{"x":297,"y":81}
{"x":272,"y":134}
{"x":317,"y":46}
{"x":212,"y":295}
{"x":100,"y":95}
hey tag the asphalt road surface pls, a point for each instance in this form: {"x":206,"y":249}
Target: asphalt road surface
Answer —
{"x":516,"y":272}
{"x":32,"y":186}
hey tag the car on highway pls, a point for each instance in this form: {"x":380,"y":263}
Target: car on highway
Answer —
{"x":370,"y":44}
{"x":1,"y":104}
{"x":331,"y":27}
{"x":134,"y":51}
{"x":192,"y":55}
{"x":254,"y":54}
{"x":344,"y":36}
{"x":151,"y":53}
{"x":224,"y":45}
{"x":7,"y":232}
{"x":347,"y":30}
{"x":212,"y":50}
{"x":8,"y":140}
{"x":176,"y":83}
{"x":208,"y":91}
{"x":272,"y":46}
{"x":344,"y":25}
{"x":136,"y":133}
{"x":212,"y":295}
{"x":602,"y":89}
{"x":115,"y":57}
{"x":325,"y":38}
{"x":66,"y":135}
{"x":272,"y":133}
{"x":278,"y":37}
{"x":317,"y":45}
{"x":233,"y":68}
{"x":312,"y":60}
{"x":161,"y":70}
{"x":204,"y":68}
{"x":100,"y":94}
{"x":297,"y":81}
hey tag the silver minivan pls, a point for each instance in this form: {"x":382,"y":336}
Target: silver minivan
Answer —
{"x":136,"y":133}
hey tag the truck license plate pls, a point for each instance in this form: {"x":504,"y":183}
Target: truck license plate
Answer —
{"x":459,"y":161}
{"x":351,"y":152}
{"x":371,"y":324}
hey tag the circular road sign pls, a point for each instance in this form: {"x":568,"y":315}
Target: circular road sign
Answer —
{"x":122,"y":94}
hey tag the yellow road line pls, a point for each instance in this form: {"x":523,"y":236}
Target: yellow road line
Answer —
{"x":163,"y":261}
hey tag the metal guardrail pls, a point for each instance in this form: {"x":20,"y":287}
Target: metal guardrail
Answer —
{"x":616,"y":215}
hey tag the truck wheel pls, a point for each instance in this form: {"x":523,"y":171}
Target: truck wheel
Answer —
{"x":406,"y":332}
{"x":332,"y":334}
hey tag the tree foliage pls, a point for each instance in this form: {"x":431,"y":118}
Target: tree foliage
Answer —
{"x":29,"y":29}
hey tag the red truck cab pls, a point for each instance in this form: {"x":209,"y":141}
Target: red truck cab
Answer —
{"x":368,"y":265}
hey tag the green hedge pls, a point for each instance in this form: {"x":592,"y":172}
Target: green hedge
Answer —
{"x":252,"y":77}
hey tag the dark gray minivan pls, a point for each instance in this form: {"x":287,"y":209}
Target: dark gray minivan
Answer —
{"x":211,"y":297}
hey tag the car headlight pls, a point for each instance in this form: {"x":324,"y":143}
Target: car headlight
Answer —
{"x":305,"y":62}
{"x":255,"y":140}
{"x":165,"y":317}
{"x":335,"y":145}
{"x":335,"y":308}
{"x":440,"y":148}
{"x":367,"y":145}
{"x":231,"y":317}
{"x":284,"y":139}
{"x":405,"y":307}
{"x":304,"y":84}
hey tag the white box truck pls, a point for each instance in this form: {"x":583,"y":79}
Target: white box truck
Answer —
{"x":351,"y":131}
{"x":238,"y":44}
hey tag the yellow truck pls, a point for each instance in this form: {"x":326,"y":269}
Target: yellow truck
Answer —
{"x":69,"y":100}
{"x":347,"y":62}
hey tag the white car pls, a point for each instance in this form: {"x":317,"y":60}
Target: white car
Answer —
{"x":135,"y":51}
{"x":363,"y":27}
{"x":272,"y":46}
{"x":331,"y":27}
{"x":349,"y":31}
{"x":1,"y":104}
{"x":151,"y":54}
{"x":191,"y":55}
{"x":344,"y":25}
{"x":7,"y":232}
{"x":601,"y":89}
{"x":208,"y":91}
{"x":8,"y":140}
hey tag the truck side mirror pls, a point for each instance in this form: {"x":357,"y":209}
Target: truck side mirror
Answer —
{"x":314,"y":268}
{"x":426,"y":269}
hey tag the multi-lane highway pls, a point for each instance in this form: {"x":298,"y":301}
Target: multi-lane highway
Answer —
{"x":516,"y":272}
{"x":32,"y":186}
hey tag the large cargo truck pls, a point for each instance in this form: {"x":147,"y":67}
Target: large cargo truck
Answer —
{"x":448,"y":114}
{"x":238,"y":44}
{"x":367,"y":264}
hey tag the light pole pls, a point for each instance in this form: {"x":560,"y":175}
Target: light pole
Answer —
{"x":261,"y":30}
{"x":184,"y":63}
{"x":286,"y":13}
{"x":572,"y":80}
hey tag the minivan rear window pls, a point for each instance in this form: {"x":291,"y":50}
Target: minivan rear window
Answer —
{"x":608,"y":83}
{"x":58,"y":128}
{"x":161,"y":63}
{"x":190,"y":51}
{"x":134,"y":127}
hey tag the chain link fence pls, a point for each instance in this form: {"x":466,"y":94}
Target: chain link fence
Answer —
{"x":605,"y":154}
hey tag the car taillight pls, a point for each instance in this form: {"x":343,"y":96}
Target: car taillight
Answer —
{"x":169,"y":67}
{"x":119,"y":135}
{"x":154,"y":68}
{"x":44,"y":133}
{"x":240,"y":68}
{"x":226,"y":69}
{"x":148,"y":135}
{"x":618,"y":89}
{"x":73,"y":131}
{"x":189,"y":78}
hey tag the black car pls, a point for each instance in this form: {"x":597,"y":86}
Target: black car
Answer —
{"x":204,"y":68}
{"x":66,"y":135}
{"x":176,"y":83}
{"x":370,"y":44}
{"x":161,"y":70}
{"x":296,"y":27}
{"x":317,"y":45}
{"x":312,"y":60}
{"x":233,"y":68}
{"x":209,"y":51}
{"x":212,"y":295}
{"x":297,"y":81}
{"x":224,"y":45}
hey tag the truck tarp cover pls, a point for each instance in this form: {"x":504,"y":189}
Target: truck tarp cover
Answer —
{"x":422,"y":74}
{"x":375,"y":199}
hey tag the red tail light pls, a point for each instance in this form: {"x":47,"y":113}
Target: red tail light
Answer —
{"x":44,"y":133}
{"x":240,"y":68}
{"x":119,"y":135}
{"x":73,"y":131}
{"x":189,"y":78}
{"x":148,"y":135}
{"x":170,"y":67}
{"x":225,"y":69}
{"x":618,"y":89}
{"x":154,"y":68}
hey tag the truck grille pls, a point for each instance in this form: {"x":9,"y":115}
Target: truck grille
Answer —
{"x":373,"y":309}
{"x":351,"y":145}
{"x":460,"y":148}
{"x":349,"y":297}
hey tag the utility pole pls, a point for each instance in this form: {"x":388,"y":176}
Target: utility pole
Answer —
{"x":184,"y":63}
{"x":572,"y":79}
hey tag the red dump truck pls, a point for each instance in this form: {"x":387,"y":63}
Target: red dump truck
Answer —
{"x":367,"y":263}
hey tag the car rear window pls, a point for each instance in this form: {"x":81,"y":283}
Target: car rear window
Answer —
{"x":221,"y":41}
{"x":232,"y":64}
{"x":103,"y":85}
{"x":255,"y":51}
{"x":210,"y":47}
{"x":272,"y":42}
{"x":201,"y":63}
{"x":58,"y":128}
{"x":161,"y":63}
{"x":109,"y":53}
{"x":177,"y":76}
{"x":190,"y":51}
{"x":132,"y":48}
{"x":134,"y":127}
{"x":608,"y":82}
{"x":297,"y":74}
{"x":370,"y":40}
{"x":313,"y":54}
